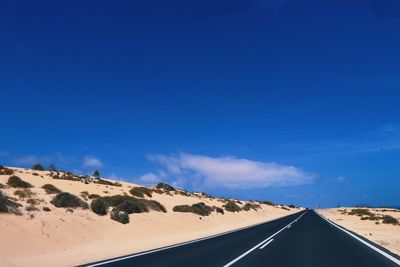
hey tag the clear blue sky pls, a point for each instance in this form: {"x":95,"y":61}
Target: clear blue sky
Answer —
{"x":286,"y":100}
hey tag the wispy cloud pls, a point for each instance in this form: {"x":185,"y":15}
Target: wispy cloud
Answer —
{"x":31,"y":159}
{"x":230,"y":172}
{"x":151,"y":178}
{"x":92,"y":162}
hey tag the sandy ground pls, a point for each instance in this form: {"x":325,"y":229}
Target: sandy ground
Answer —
{"x":62,"y":238}
{"x":385,"y":235}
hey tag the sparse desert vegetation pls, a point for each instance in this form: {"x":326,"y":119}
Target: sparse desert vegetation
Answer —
{"x":67,"y":200}
{"x":142,"y":212}
{"x":381,"y":225}
{"x":119,"y":216}
{"x":198,"y":208}
{"x":16,"y":182}
{"x":51,"y":189}
{"x":232,"y":207}
{"x":140,"y":192}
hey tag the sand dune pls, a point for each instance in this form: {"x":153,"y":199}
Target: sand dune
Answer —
{"x":387,"y":235}
{"x":63,"y":237}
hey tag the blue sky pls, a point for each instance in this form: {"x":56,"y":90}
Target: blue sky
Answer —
{"x":290,"y":101}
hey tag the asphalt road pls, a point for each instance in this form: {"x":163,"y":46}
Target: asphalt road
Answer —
{"x":302,"y":239}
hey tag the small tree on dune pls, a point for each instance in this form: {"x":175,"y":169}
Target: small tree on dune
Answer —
{"x":38,"y":167}
{"x":96,"y":174}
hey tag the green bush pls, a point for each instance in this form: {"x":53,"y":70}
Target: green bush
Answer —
{"x":16,"y":182}
{"x":130,"y":206}
{"x":145,"y":204}
{"x":219,"y":210}
{"x":5,"y":171}
{"x":99,"y":206}
{"x":7,"y":205}
{"x":361,"y":212}
{"x":51,"y":189}
{"x":67,"y":200}
{"x":251,"y":206}
{"x":38,"y":167}
{"x":232,"y":207}
{"x":266,"y":202}
{"x":198,"y":208}
{"x":387,"y":219}
{"x":154,"y":205}
{"x":105,"y":182}
{"x":23,"y":193}
{"x":140,"y":191}
{"x":165,"y":187}
{"x":119,"y":216}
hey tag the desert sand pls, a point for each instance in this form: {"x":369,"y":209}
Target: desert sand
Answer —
{"x":386,"y":235}
{"x":64,"y":238}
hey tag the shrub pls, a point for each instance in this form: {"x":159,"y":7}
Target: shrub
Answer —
{"x":7,"y":205}
{"x":154,"y":205}
{"x":266,"y":202}
{"x":99,"y":206}
{"x":16,"y":182}
{"x":198,"y":208}
{"x":292,"y":206}
{"x":140,"y":192}
{"x":51,"y":189}
{"x":165,"y":187}
{"x":219,"y":210}
{"x":119,"y":216}
{"x":130,"y":206}
{"x":47,"y":209}
{"x":2,"y":186}
{"x":5,"y":171}
{"x":284,"y":208}
{"x":387,"y":219}
{"x":361,"y":212}
{"x":96,"y":174}
{"x":92,"y":196}
{"x":67,"y":200}
{"x":232,"y":207}
{"x":23,"y":193}
{"x":105,"y":182}
{"x":38,"y":167}
{"x":251,"y":206}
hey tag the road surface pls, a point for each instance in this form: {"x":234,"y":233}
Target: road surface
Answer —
{"x":302,"y":239}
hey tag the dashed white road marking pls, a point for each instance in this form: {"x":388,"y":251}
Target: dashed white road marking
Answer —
{"x":260,"y":244}
{"x":177,"y":245}
{"x":383,"y":253}
{"x":266,"y":244}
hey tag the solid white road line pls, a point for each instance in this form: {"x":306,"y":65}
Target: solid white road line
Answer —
{"x":178,"y":245}
{"x":260,"y":244}
{"x":289,"y":226}
{"x":383,"y":253}
{"x":266,"y":244}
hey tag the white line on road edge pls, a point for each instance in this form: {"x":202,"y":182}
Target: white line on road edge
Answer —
{"x":260,"y":244}
{"x":383,"y":253}
{"x":266,"y":244}
{"x":180,"y":244}
{"x":289,"y":226}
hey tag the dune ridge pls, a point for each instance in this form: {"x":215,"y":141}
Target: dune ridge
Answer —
{"x":45,"y":235}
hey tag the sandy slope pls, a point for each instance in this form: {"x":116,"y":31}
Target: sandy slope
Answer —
{"x":61,"y":238}
{"x":386,"y":235}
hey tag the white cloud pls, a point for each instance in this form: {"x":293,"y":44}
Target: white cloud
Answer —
{"x":231,"y":172}
{"x":342,"y":180}
{"x":151,"y":178}
{"x":92,"y":162}
{"x":31,"y":159}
